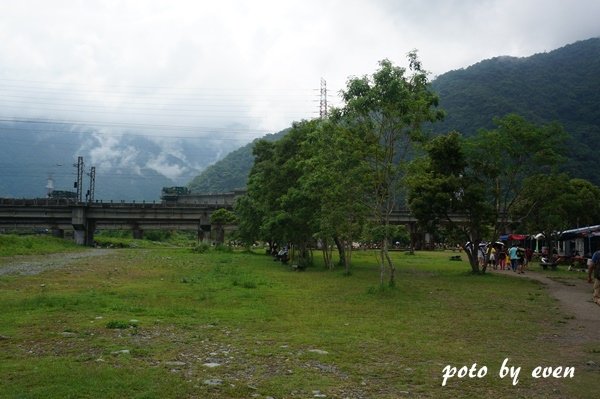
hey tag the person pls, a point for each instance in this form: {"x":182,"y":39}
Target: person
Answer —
{"x":481,"y":256}
{"x":502,"y":258}
{"x":594,"y":271}
{"x":513,"y":256}
{"x":492,"y":259}
{"x":522,"y":263}
{"x":528,"y":255}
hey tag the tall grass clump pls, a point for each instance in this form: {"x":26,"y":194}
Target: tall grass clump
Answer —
{"x":11,"y":244}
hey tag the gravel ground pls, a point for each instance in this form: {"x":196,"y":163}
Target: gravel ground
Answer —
{"x":29,"y":265}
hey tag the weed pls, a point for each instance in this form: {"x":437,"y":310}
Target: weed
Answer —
{"x":120,"y":325}
{"x":201,"y":248}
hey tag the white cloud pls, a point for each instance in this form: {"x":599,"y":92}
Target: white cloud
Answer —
{"x":161,"y":165}
{"x":107,"y":151}
{"x":252,"y":63}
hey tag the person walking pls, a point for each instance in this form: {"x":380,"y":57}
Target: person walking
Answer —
{"x":502,"y":258}
{"x":513,"y":256}
{"x":492,"y":259}
{"x":594,"y":271}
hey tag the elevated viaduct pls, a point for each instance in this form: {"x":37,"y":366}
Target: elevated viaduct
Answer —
{"x":58,"y":215}
{"x":191,"y":213}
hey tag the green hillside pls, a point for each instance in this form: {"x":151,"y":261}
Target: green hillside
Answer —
{"x":562,"y":85}
{"x":231,"y":172}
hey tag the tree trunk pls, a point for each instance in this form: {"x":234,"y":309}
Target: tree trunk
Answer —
{"x":220,"y":232}
{"x":341,"y":250}
{"x":327,"y":258}
{"x":472,"y":256}
{"x":381,"y":261}
{"x":392,"y":281}
{"x":303,"y":255}
{"x":348,"y":258}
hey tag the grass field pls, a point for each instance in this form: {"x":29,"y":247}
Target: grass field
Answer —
{"x":169,"y":323}
{"x":11,"y":244}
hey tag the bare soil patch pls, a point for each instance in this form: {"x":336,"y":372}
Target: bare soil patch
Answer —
{"x":30,"y":265}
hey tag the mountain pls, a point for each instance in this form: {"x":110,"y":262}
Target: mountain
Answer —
{"x":129,"y":166}
{"x":562,"y":85}
{"x":231,"y":172}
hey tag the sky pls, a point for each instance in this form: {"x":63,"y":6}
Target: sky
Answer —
{"x":241,"y":69}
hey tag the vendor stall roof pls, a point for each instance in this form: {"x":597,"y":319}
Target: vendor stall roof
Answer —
{"x":515,"y":237}
{"x":580,"y":232}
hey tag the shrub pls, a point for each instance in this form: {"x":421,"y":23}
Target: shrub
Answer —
{"x":223,"y":248}
{"x":120,"y":325}
{"x":201,"y":248}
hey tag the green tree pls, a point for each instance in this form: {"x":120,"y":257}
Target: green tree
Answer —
{"x":508,"y":154}
{"x":276,"y":207}
{"x":553,"y":203}
{"x":482,"y":179}
{"x":387,"y":110}
{"x":336,"y":176}
{"x":445,"y":190}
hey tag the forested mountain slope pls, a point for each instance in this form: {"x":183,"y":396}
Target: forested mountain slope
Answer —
{"x":231,"y":172}
{"x":562,"y":85}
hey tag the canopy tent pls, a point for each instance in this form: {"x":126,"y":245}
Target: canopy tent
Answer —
{"x":513,"y":237}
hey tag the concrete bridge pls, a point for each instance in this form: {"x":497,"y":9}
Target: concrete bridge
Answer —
{"x":58,"y":215}
{"x":192,"y":214}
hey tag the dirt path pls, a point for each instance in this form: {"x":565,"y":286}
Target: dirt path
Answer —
{"x":575,"y":298}
{"x":29,"y":265}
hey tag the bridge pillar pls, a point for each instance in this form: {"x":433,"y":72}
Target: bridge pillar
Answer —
{"x":56,"y":232}
{"x":79,"y":237}
{"x":89,"y":233}
{"x":83,"y":233}
{"x":138,"y":234}
{"x":204,"y":233}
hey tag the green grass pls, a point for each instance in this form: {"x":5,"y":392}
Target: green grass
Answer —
{"x":11,"y":245}
{"x":174,"y":310}
{"x":151,"y":239}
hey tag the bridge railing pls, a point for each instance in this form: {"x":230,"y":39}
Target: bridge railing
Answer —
{"x":36,"y":201}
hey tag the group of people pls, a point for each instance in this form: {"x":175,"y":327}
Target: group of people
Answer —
{"x":515,"y":258}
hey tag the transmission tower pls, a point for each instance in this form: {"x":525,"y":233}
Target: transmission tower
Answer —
{"x":79,"y":183}
{"x":323,"y":101}
{"x":90,"y":193}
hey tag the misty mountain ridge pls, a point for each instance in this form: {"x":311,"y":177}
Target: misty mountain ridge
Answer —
{"x":129,"y":166}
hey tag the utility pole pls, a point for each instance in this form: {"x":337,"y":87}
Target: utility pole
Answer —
{"x":90,"y":193}
{"x":79,"y":183}
{"x":323,"y":100}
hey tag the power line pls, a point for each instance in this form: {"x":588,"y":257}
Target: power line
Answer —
{"x":234,"y":103}
{"x":286,"y":89}
{"x":96,"y":124}
{"x":112,"y":112}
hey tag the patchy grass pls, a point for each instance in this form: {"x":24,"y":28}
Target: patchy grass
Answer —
{"x":11,"y":244}
{"x":170,"y":323}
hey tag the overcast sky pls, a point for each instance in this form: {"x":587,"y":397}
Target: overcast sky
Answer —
{"x":245,"y":68}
